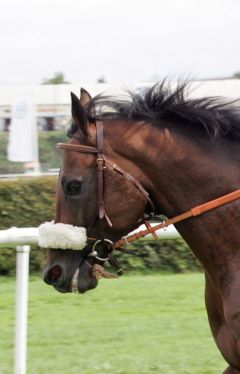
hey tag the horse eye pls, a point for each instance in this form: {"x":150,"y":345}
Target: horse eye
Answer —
{"x":72,"y":188}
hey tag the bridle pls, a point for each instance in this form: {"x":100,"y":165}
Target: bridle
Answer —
{"x":102,"y":163}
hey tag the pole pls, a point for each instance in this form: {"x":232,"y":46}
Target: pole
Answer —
{"x":22,"y":268}
{"x":18,"y":236}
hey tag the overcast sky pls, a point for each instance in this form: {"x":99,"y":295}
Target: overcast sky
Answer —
{"x":123,"y":40}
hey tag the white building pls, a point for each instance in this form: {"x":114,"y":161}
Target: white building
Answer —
{"x":53,"y":101}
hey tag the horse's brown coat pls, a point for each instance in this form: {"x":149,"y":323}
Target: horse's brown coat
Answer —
{"x":179,"y":170}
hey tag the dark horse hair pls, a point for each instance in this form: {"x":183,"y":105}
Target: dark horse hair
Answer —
{"x":215,"y":115}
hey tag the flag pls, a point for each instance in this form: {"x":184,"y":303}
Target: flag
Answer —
{"x":23,"y":135}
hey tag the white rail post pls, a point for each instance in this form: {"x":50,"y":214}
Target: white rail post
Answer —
{"x":22,"y":268}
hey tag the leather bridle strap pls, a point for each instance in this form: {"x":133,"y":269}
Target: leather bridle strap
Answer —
{"x":77,"y":148}
{"x":99,"y":151}
{"x":132,"y":180}
{"x":196,"y":211}
{"x":101,"y":166}
{"x":102,"y":160}
{"x":87,"y":149}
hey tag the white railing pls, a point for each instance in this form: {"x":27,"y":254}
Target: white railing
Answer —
{"x":21,"y":239}
{"x":18,"y":236}
{"x":21,"y":309}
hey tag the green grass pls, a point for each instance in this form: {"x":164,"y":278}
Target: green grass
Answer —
{"x":133,"y":325}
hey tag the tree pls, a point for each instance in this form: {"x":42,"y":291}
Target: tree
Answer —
{"x":236,"y":75}
{"x":58,"y":78}
{"x":101,"y":79}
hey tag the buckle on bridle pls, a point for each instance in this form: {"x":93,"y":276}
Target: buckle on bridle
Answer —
{"x":94,"y":252}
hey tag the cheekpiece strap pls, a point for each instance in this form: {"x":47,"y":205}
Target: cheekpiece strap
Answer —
{"x":101,"y":170}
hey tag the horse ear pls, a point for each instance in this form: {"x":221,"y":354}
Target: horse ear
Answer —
{"x":78,"y":114}
{"x":85,"y":97}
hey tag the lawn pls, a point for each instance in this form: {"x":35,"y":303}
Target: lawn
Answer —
{"x":133,"y":325}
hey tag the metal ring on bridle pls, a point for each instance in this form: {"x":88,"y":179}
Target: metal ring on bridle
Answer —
{"x":164,"y":225}
{"x":94,"y":252}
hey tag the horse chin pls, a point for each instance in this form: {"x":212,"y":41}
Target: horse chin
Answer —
{"x":69,"y":271}
{"x":83,"y":279}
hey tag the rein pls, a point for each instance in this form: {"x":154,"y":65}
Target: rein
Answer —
{"x":196,"y":211}
{"x":102,"y":163}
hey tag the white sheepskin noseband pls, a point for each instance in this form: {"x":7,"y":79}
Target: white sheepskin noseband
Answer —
{"x":61,"y":236}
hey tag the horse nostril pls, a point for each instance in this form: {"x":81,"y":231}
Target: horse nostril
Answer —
{"x":53,"y":274}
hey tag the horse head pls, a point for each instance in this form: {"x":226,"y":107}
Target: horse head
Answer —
{"x":94,"y":193}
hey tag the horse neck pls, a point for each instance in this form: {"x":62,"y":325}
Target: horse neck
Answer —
{"x":184,"y":173}
{"x":181,"y":171}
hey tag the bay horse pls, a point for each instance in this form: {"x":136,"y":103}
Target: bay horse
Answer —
{"x":156,"y":150}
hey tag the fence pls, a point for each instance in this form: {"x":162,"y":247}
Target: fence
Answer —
{"x":21,"y":239}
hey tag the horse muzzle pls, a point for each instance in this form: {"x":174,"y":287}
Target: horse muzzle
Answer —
{"x":69,"y":271}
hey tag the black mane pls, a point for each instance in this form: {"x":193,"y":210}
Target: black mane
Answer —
{"x":162,"y":103}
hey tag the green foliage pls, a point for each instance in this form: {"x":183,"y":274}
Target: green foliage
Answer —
{"x":58,"y":78}
{"x":7,"y":261}
{"x":25,"y":203}
{"x":5,"y":165}
{"x":236,"y":75}
{"x":132,"y":325}
{"x":162,"y":255}
{"x":29,"y":202}
{"x":49,"y":156}
{"x":101,"y":79}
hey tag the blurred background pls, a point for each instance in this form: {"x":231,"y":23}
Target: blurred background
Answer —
{"x":154,"y":319}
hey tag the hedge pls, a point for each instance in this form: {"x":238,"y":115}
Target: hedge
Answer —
{"x":29,"y":202}
{"x":25,"y":203}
